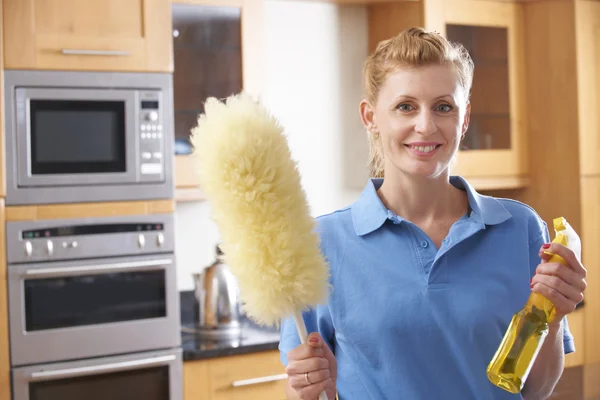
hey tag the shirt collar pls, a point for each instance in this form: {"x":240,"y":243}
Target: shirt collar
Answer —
{"x":369,"y":213}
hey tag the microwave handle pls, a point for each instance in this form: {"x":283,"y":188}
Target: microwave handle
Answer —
{"x":148,"y":265}
{"x":88,"y":52}
{"x":100,"y":369}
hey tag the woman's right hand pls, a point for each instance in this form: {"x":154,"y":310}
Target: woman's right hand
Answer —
{"x":312,"y":368}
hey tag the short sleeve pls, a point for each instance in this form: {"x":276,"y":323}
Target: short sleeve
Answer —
{"x":316,"y":320}
{"x":538,"y":236}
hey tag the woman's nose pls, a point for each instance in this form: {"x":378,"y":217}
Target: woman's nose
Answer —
{"x":425,"y":124}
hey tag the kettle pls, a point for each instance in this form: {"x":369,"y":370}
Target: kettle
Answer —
{"x":217,"y":307}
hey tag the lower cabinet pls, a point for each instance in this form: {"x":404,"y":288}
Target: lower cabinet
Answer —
{"x":256,"y":376}
{"x":570,"y":385}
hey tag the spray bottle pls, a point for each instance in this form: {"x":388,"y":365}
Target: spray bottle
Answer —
{"x":528,"y":328}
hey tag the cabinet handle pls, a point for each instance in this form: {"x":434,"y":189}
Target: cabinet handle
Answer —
{"x":83,"y":52}
{"x":256,"y":381}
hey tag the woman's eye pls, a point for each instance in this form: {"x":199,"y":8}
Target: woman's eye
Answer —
{"x":445,"y":107}
{"x":404,"y":107}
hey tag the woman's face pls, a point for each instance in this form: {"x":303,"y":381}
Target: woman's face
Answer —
{"x":421,"y":115}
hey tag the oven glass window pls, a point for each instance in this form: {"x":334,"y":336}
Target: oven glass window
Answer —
{"x":146,"y":384}
{"x":94,"y":299}
{"x":76,"y":137}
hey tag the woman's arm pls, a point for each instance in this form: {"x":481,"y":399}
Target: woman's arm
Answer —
{"x":548,"y":366}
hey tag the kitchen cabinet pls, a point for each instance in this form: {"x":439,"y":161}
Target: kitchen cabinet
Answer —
{"x":216,"y":46}
{"x":105,"y":35}
{"x":255,"y":376}
{"x":570,"y":385}
{"x":2,"y":168}
{"x":494,"y":152}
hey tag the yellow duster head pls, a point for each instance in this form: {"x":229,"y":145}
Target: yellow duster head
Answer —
{"x":260,"y":209}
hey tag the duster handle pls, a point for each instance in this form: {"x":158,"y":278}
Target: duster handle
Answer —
{"x":303,"y":333}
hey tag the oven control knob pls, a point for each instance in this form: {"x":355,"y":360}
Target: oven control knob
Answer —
{"x":160,"y":240}
{"x":28,"y":249}
{"x":50,"y":247}
{"x":141,"y":241}
{"x":152,"y":116}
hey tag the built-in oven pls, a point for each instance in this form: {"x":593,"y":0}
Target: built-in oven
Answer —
{"x":91,"y":287}
{"x":88,"y":136}
{"x":153,"y":375}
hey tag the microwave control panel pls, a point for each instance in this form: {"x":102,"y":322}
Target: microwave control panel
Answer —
{"x":151,"y":136}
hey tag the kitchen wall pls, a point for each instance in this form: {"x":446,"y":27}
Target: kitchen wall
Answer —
{"x":313,"y":55}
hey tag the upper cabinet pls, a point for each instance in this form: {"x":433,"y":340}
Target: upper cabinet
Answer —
{"x":107,"y":35}
{"x":494,"y":151}
{"x":217,"y":52}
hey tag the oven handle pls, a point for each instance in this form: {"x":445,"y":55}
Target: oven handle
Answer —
{"x":87,"y":52}
{"x":105,"y":368}
{"x":98,"y":269}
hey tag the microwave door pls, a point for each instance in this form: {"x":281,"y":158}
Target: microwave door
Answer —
{"x":76,"y":137}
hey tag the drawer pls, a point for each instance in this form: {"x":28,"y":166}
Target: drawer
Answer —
{"x":258,"y":376}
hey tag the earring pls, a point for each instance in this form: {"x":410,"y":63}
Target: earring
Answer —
{"x":376,"y":135}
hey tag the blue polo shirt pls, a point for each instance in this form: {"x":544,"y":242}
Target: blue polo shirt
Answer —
{"x":409,"y":321}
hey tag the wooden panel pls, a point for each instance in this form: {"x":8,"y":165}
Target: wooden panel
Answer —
{"x":158,"y":35}
{"x":388,"y":19}
{"x":187,"y":181}
{"x":570,"y":385}
{"x":4,"y":349}
{"x":253,"y":40}
{"x":224,"y":371}
{"x":185,"y":172}
{"x":60,"y":211}
{"x":553,"y":120}
{"x":38,"y":31}
{"x":577,"y":328}
{"x":196,"y":385}
{"x":588,"y":60}
{"x":2,"y":166}
{"x":590,"y":233}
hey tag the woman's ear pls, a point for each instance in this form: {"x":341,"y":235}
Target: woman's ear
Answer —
{"x":466,"y":120}
{"x":367,"y":116}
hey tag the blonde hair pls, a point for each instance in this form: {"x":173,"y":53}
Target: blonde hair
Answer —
{"x":413,"y":47}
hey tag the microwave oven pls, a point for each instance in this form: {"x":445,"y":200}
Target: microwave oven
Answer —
{"x":75,"y":136}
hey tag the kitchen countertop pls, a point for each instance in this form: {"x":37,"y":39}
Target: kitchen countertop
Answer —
{"x":253,"y":338}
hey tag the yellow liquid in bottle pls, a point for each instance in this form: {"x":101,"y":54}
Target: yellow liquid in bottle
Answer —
{"x":523,"y":339}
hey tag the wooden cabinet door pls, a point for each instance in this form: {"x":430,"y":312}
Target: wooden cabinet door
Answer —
{"x":2,"y":165}
{"x":103,"y":35}
{"x":195,"y":380}
{"x":258,"y":376}
{"x":494,"y":149}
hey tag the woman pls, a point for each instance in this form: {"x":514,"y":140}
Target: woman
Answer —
{"x":426,"y":272}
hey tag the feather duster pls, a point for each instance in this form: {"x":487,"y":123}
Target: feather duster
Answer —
{"x":254,"y":189}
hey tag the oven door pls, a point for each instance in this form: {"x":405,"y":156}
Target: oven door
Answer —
{"x":76,"y":137}
{"x":70,"y":310}
{"x":147,"y":376}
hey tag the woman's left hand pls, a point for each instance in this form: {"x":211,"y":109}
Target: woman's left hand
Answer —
{"x":562,"y":284}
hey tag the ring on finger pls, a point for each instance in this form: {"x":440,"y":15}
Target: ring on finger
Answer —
{"x":308,"y":382}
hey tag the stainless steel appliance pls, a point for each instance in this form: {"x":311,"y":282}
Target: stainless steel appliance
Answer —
{"x":217,"y":301}
{"x":94,"y":308}
{"x":88,"y":136}
{"x":146,"y":376}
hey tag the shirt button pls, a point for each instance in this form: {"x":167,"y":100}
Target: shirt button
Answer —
{"x":424,"y":244}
